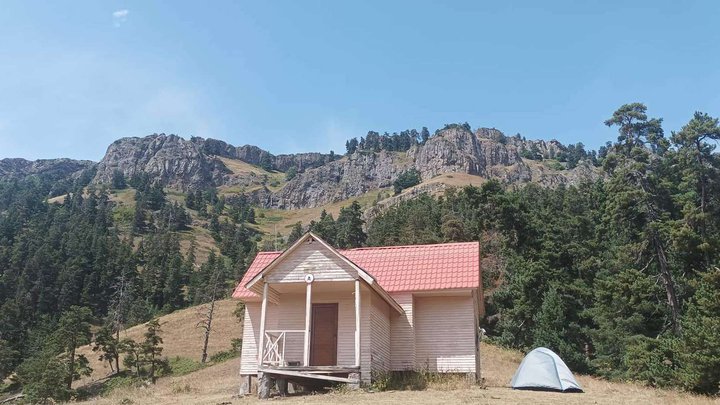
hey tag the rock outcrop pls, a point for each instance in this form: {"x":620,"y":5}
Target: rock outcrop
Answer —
{"x":486,"y":153}
{"x":323,"y":178}
{"x":52,"y":169}
{"x":257,"y":156}
{"x":170,"y":159}
{"x":348,"y":177}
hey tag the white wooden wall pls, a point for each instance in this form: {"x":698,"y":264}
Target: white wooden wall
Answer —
{"x":444,"y":334}
{"x":251,"y":326}
{"x":315,"y":259}
{"x":402,"y":334}
{"x":380,"y":358}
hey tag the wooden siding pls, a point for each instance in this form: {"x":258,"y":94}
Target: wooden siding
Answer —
{"x":315,"y":259}
{"x":251,"y":326}
{"x":444,"y":333}
{"x":380,"y":335}
{"x":402,"y":334}
{"x":478,"y":308}
{"x":365,"y":334}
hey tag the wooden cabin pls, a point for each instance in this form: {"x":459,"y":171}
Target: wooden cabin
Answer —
{"x":313,"y":312}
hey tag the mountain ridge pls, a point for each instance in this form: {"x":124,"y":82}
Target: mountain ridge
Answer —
{"x":317,"y":178}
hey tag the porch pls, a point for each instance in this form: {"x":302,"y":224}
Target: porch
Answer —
{"x":310,"y":334}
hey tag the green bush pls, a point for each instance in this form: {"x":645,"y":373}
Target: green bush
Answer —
{"x":122,"y":380}
{"x":652,"y":360}
{"x":553,"y":164}
{"x":406,"y":180}
{"x":183,"y":365}
{"x":123,"y":215}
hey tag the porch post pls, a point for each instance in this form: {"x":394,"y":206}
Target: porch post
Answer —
{"x":308,"y":308}
{"x":357,"y":323}
{"x":263,"y":312}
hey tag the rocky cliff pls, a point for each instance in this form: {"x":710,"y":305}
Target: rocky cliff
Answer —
{"x":191,"y":164}
{"x":170,"y":159}
{"x":321,"y":178}
{"x":259,"y":157}
{"x":486,"y":153}
{"x":53,"y":169}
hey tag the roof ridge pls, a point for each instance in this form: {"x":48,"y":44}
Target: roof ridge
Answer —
{"x":408,"y":246}
{"x":426,"y":245}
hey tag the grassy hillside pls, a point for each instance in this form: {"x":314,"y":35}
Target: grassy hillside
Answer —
{"x":219,"y":383}
{"x":255,"y":175}
{"x":275,"y":220}
{"x":181,"y":337}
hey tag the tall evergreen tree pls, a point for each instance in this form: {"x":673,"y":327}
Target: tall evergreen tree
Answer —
{"x":349,"y":226}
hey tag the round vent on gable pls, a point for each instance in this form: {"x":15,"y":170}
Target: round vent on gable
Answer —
{"x":309,"y":278}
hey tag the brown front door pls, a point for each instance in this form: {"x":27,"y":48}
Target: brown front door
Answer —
{"x":323,"y":335}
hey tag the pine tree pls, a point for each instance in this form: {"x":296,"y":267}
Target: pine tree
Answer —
{"x":295,"y":233}
{"x":109,"y":347}
{"x":349,"y":227}
{"x":701,"y":342}
{"x":73,"y":331}
{"x":8,"y":359}
{"x":638,"y":195}
{"x":424,"y":135}
{"x":151,"y":350}
{"x":118,"y":180}
{"x":325,"y":227}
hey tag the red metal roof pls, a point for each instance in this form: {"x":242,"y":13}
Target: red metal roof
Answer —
{"x":401,"y":268}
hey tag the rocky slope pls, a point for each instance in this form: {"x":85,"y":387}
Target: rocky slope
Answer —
{"x":256,"y":156}
{"x":455,"y":150}
{"x":170,"y":159}
{"x":322,"y":178}
{"x":53,"y":169}
{"x":191,"y":164}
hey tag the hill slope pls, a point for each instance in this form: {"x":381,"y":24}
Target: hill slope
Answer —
{"x":219,"y":383}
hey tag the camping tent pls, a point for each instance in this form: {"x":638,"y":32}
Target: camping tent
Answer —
{"x":542,"y":369}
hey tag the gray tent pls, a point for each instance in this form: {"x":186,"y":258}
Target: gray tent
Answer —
{"x":542,"y":369}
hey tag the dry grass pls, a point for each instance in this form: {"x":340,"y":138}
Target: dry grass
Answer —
{"x":456,"y":180}
{"x":283,"y":220}
{"x":204,"y":243}
{"x":219,"y":383}
{"x":275,"y":180}
{"x":181,"y":337}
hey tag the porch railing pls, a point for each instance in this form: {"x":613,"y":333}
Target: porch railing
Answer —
{"x":274,"y":353}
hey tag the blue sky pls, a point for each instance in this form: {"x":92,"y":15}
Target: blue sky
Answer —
{"x":293,"y":76}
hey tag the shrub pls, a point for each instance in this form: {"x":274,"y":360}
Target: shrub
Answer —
{"x":554,"y":164}
{"x":183,"y":365}
{"x":407,"y":179}
{"x":125,"y":379}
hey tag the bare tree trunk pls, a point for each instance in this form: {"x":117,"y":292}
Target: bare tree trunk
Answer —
{"x":665,"y":273}
{"x":207,"y":330}
{"x":668,"y":283}
{"x":118,"y":307}
{"x":117,"y":351}
{"x":71,"y":368}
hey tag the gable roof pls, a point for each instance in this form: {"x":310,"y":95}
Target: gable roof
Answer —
{"x":398,"y":268}
{"x":253,"y":284}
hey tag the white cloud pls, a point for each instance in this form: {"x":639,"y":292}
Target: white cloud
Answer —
{"x":120,"y":16}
